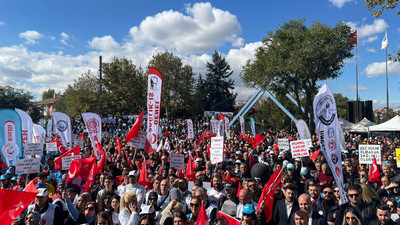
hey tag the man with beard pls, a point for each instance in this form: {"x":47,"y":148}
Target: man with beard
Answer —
{"x":254,"y":188}
{"x":182,"y":186}
{"x":228,"y":204}
{"x":305,"y":205}
{"x":217,"y":191}
{"x":327,"y":207}
{"x":383,"y":213}
{"x":134,"y":187}
{"x":285,"y":208}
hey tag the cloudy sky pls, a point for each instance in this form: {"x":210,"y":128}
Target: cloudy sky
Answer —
{"x":47,"y":44}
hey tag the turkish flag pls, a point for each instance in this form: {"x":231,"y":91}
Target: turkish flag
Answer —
{"x":102,"y":163}
{"x":82,"y":137}
{"x":257,"y":140}
{"x":354,"y":35}
{"x":243,"y":136}
{"x":166,"y":133}
{"x":80,"y":168}
{"x":144,"y":176}
{"x":275,"y":148}
{"x":119,"y":145}
{"x":239,"y":189}
{"x":374,"y":175}
{"x":90,"y":181}
{"x":190,"y":175}
{"x":229,"y":219}
{"x":12,"y":203}
{"x":202,"y":219}
{"x":221,"y":117}
{"x":268,"y":194}
{"x":58,"y":160}
{"x":314,"y":156}
{"x":134,"y":132}
{"x":31,"y":186}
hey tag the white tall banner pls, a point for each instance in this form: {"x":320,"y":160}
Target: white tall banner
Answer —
{"x":221,"y":128}
{"x":385,"y":42}
{"x":93,"y":125}
{"x":327,"y":125}
{"x":241,"y":119}
{"x":227,"y":130}
{"x":38,"y":133}
{"x":215,"y":126}
{"x":217,"y":149}
{"x":253,"y":126}
{"x":49,"y":127}
{"x":62,"y":123}
{"x":41,"y":122}
{"x":154,"y":90}
{"x":190,"y":129}
{"x":27,"y":127}
{"x":302,"y":128}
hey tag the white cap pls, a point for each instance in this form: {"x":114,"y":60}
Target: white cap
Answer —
{"x":297,"y":159}
{"x":199,"y":159}
{"x":133,"y":173}
{"x":272,"y":152}
{"x":146,"y":209}
{"x":42,"y":192}
{"x":290,"y":166}
{"x":238,"y":153}
{"x":303,"y":170}
{"x":238,"y":161}
{"x":285,"y":163}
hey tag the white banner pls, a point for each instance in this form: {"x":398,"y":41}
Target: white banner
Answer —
{"x":66,"y":161}
{"x":33,"y":149}
{"x":140,"y":141}
{"x":227,"y":130}
{"x":38,"y":133}
{"x":41,"y":122}
{"x":283,"y":143}
{"x":302,"y":128}
{"x":27,"y":126}
{"x":62,"y":123}
{"x":154,"y":90}
{"x":367,"y":153}
{"x":93,"y":126}
{"x":299,"y":148}
{"x":25,"y":166}
{"x":177,"y":161}
{"x":190,"y":129}
{"x":253,"y":126}
{"x":241,"y":119}
{"x":215,"y":126}
{"x":217,"y":150}
{"x":49,"y":127}
{"x":327,"y":125}
{"x":51,"y":147}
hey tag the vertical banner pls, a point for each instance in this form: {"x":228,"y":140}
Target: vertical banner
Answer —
{"x":303,"y":130}
{"x":215,"y":126}
{"x":217,"y":150}
{"x":190,"y":129}
{"x":253,"y":126}
{"x":10,"y":136}
{"x":327,"y":125}
{"x":62,"y":123}
{"x":93,"y":125}
{"x":227,"y":130}
{"x":27,"y":126}
{"x":398,"y":157}
{"x":38,"y":133}
{"x":49,"y":127}
{"x":154,"y":90}
{"x":241,"y":119}
{"x":221,"y":128}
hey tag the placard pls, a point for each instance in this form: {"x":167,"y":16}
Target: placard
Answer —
{"x":283,"y":143}
{"x":367,"y":153}
{"x":217,"y":149}
{"x":51,"y":147}
{"x":79,"y":142}
{"x":299,"y":148}
{"x":177,"y":161}
{"x":25,"y":166}
{"x":140,"y":141}
{"x":33,"y":149}
{"x":66,"y":161}
{"x":398,"y":157}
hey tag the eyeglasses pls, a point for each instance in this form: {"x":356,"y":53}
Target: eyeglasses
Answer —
{"x":89,"y":208}
{"x":195,"y":205}
{"x":152,"y":199}
{"x":336,"y":191}
{"x":350,"y":218}
{"x":327,"y":192}
{"x":353,"y":195}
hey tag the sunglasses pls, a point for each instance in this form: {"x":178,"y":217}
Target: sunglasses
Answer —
{"x":354,"y":195}
{"x":89,"y":208}
{"x":350,"y":218}
{"x":336,"y":191}
{"x":195,"y":205}
{"x":327,"y":192}
{"x":152,"y":199}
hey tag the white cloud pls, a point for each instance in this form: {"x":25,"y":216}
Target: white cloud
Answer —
{"x":371,"y":50}
{"x":339,"y":3}
{"x":354,"y":87}
{"x":64,"y":38}
{"x":369,"y":39}
{"x":382,"y":104}
{"x":31,"y":36}
{"x":377,"y":69}
{"x":378,"y":26}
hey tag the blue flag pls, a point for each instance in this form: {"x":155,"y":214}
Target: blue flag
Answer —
{"x":10,"y":136}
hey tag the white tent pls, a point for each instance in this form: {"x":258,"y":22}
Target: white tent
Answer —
{"x":390,"y":125}
{"x":362,"y":126}
{"x":344,"y":124}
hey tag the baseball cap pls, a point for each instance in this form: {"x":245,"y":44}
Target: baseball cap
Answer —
{"x":290,"y":166}
{"x":248,"y":209}
{"x":238,"y":161}
{"x":146,"y":209}
{"x":285,"y":163}
{"x":40,"y":185}
{"x":133,"y":173}
{"x":42,"y":192}
{"x":238,"y":153}
{"x":22,"y":175}
{"x":272,"y":152}
{"x":199,"y":159}
{"x":255,"y":155}
{"x":303,"y":171}
{"x":4,"y":177}
{"x":14,"y":179}
{"x":228,"y":186}
{"x":10,"y":171}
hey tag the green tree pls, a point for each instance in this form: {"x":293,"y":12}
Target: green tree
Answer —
{"x":341,"y":105}
{"x":48,"y":94}
{"x":295,"y":57}
{"x":218,"y":86}
{"x":378,"y":6}
{"x":125,"y":87}
{"x":178,"y":84}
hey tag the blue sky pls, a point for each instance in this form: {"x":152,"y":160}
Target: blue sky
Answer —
{"x":47,"y":44}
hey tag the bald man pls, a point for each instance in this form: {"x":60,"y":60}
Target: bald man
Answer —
{"x":305,"y":205}
{"x":245,"y":197}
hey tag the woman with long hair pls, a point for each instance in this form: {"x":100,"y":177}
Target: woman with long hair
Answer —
{"x":103,"y":218}
{"x":91,"y":210}
{"x":369,"y":196}
{"x":128,"y":211}
{"x":352,"y":217}
{"x":114,"y":209}
{"x":167,"y":214}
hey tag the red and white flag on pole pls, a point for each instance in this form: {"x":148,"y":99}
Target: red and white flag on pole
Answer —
{"x":134,"y":131}
{"x":190,"y":129}
{"x":93,"y":125}
{"x":154,"y":91}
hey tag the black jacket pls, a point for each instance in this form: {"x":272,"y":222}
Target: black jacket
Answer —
{"x":280,"y":216}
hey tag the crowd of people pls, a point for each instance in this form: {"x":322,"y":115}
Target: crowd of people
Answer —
{"x":306,"y":195}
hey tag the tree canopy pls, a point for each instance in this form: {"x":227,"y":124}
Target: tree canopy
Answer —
{"x":48,"y":94}
{"x":294,"y":58}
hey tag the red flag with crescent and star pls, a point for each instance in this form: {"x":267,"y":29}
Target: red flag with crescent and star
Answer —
{"x":134,"y":131}
{"x":374,"y":175}
{"x":12,"y":203}
{"x":80,"y":168}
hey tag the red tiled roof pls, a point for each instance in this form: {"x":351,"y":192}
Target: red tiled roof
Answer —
{"x":47,"y":101}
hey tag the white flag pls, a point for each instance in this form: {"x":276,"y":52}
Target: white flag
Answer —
{"x":93,"y":125}
{"x":215,"y":126}
{"x":241,"y":119}
{"x":27,"y":126}
{"x":302,"y":128}
{"x":49,"y":127}
{"x":62,"y":124}
{"x":38,"y":133}
{"x":154,"y":90}
{"x":227,"y":130}
{"x":327,"y":125}
{"x":384,"y":42}
{"x":190,"y":129}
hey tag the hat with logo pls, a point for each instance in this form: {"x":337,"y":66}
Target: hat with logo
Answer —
{"x":303,"y":171}
{"x":133,"y":173}
{"x":248,"y":209}
{"x":146,"y":209}
{"x":290,"y":166}
{"x":229,"y":186}
{"x":42,"y":192}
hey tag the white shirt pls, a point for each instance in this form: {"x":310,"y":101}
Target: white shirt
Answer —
{"x":239,"y":212}
{"x":288,"y":208}
{"x":214,"y":195}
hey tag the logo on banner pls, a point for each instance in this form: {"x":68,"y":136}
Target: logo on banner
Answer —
{"x":332,"y":145}
{"x":62,"y":125}
{"x":331,"y":132}
{"x":325,"y":113}
{"x":338,"y":172}
{"x":10,"y":149}
{"x":334,"y":158}
{"x":153,"y":83}
{"x":10,"y":130}
{"x":92,"y":125}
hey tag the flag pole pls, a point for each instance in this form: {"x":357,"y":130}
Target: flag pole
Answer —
{"x":357,"y":110}
{"x":387,"y":88}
